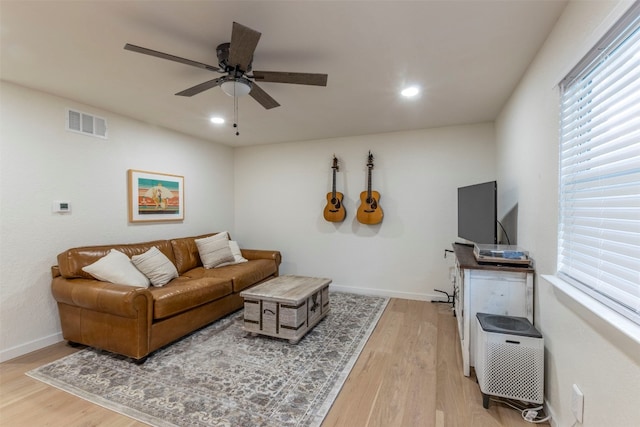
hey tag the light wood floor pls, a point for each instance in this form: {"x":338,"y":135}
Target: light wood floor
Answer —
{"x":408,"y":375}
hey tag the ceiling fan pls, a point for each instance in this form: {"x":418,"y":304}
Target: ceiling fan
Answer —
{"x":235,"y":62}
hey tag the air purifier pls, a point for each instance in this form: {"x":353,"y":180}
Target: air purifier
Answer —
{"x":509,"y":358}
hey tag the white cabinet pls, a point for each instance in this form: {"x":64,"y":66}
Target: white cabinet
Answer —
{"x":493,"y":289}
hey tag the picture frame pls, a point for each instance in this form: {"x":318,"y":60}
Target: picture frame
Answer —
{"x":155,"y":196}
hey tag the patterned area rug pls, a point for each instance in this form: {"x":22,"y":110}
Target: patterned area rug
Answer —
{"x":221,"y":376}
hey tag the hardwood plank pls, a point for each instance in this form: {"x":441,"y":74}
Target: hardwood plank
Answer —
{"x":28,"y":402}
{"x":393,"y":382}
{"x":408,"y":374}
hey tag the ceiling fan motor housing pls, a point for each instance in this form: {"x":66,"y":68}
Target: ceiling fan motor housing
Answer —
{"x":222,"y":51}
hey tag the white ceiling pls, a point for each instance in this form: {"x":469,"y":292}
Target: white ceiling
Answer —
{"x":466,"y":55}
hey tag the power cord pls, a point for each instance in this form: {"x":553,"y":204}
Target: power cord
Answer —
{"x":529,"y":414}
{"x":505,"y":232}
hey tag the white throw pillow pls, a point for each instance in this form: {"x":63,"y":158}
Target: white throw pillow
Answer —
{"x":214,"y":250}
{"x":237,"y":254}
{"x":156,"y":266}
{"x":116,"y":267}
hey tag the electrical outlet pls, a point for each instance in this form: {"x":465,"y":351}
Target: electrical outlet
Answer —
{"x":577,"y":403}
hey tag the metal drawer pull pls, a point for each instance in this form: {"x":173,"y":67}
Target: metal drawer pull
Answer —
{"x":267,"y":310}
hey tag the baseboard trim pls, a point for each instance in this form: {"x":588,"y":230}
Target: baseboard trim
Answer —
{"x":549,"y":411}
{"x":22,"y":349}
{"x":385,"y":293}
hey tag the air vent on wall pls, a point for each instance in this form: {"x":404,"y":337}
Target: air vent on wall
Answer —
{"x":86,"y":124}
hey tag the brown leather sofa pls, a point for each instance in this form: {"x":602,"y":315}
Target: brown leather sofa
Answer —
{"x":137,"y":321}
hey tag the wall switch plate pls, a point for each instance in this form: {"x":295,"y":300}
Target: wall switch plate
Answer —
{"x":577,"y":403}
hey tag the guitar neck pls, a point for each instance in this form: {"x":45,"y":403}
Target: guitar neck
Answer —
{"x":369,"y":184}
{"x":333,"y":191}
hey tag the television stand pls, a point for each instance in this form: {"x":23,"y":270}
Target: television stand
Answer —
{"x":493,"y":289}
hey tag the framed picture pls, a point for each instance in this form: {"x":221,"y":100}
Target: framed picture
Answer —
{"x":155,"y":196}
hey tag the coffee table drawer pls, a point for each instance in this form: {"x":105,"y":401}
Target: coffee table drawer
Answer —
{"x":252,"y":315}
{"x":261,"y":316}
{"x":269,"y":317}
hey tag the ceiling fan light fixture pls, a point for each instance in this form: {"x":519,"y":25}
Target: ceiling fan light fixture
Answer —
{"x":236,"y":87}
{"x":410,"y":91}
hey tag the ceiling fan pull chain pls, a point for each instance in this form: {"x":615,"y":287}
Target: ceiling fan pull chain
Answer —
{"x":235,"y":112}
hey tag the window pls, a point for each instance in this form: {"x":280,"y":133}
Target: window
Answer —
{"x":599,"y":217}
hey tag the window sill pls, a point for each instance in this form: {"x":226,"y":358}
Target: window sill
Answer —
{"x":614,"y":319}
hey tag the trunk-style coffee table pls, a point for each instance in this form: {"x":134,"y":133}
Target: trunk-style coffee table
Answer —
{"x":286,"y":306}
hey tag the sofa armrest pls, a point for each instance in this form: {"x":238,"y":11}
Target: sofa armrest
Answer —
{"x":262,"y":254}
{"x":105,"y":297}
{"x":55,"y":271}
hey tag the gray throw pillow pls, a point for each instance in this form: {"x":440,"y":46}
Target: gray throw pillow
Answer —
{"x":156,"y":266}
{"x":215,"y":250}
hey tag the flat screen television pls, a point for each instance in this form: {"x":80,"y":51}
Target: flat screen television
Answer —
{"x":478,"y":213}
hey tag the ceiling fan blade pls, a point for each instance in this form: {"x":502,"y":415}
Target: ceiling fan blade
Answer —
{"x":201,"y":87}
{"x":263,"y":97}
{"x":162,"y":55}
{"x":295,"y":78}
{"x":243,"y":43}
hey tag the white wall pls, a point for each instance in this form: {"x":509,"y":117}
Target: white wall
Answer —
{"x":41,"y":162}
{"x":580,"y":348}
{"x":280,"y":196}
{"x":281,"y":192}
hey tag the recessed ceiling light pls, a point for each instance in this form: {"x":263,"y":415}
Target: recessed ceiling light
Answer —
{"x":410,"y":91}
{"x":217,"y":120}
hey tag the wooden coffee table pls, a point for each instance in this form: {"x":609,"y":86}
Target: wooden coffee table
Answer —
{"x":286,"y":306}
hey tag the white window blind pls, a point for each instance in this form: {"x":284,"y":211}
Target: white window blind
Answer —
{"x":599,"y":218}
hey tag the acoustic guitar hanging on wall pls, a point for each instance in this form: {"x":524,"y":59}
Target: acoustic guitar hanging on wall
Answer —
{"x":369,"y":211}
{"x":334,"y":211}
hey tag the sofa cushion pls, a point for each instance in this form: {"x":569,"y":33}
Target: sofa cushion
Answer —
{"x":183,"y":294}
{"x":242,"y":275}
{"x":156,"y":266}
{"x":71,"y":261}
{"x":116,"y":267}
{"x":214,"y":250}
